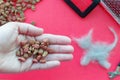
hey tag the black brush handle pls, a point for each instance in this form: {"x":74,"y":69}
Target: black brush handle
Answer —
{"x":119,"y":64}
{"x":78,"y":11}
{"x":90,"y":8}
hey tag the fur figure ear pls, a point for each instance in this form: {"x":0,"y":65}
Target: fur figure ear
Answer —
{"x":85,"y":41}
{"x":112,"y":46}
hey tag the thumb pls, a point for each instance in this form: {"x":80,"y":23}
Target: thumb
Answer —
{"x":28,"y":29}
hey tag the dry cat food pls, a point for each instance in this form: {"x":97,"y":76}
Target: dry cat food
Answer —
{"x":13,"y":10}
{"x":36,"y":49}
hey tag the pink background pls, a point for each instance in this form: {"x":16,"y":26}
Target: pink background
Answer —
{"x":56,"y":17}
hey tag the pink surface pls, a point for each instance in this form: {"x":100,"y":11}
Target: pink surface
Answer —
{"x":56,"y":17}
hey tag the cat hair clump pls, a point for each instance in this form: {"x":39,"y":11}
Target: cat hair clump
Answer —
{"x":96,"y":51}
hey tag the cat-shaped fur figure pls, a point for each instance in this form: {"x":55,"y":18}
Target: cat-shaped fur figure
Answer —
{"x":96,"y":51}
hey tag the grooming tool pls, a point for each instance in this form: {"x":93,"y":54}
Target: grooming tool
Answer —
{"x":115,"y":73}
{"x":113,"y":8}
{"x":82,"y":7}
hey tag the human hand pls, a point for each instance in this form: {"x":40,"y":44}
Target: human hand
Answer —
{"x":12,"y":33}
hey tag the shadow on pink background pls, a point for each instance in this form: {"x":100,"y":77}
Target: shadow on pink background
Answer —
{"x":56,"y":17}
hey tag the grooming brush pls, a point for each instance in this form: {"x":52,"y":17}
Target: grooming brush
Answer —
{"x":82,"y":7}
{"x":113,"y":8}
{"x":115,"y":73}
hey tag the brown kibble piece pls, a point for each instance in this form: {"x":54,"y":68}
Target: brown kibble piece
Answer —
{"x":26,"y":46}
{"x":37,"y":0}
{"x":7,"y":4}
{"x":33,"y":7}
{"x":18,"y":53}
{"x":25,"y":55}
{"x":45,"y":40}
{"x":30,"y":48}
{"x":35,"y":56}
{"x":26,"y":49}
{"x":35,"y":52}
{"x":23,"y":4}
{"x":42,"y":43}
{"x":42,"y":61}
{"x":40,"y":51}
{"x":29,"y":6}
{"x":45,"y":53}
{"x":36,"y":46}
{"x":38,"y":57}
{"x":29,"y":52}
{"x":21,"y":59}
{"x":37,"y":42}
{"x":32,"y":42}
{"x":49,"y":50}
{"x":21,"y":52}
{"x":44,"y":47}
{"x":26,"y":0}
{"x":33,"y":23}
{"x":33,"y":2}
{"x":35,"y":61}
{"x":41,"y":46}
{"x":22,"y":43}
{"x":18,"y":1}
{"x":18,"y":4}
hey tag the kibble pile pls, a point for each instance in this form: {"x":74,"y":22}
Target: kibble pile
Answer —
{"x":36,"y":49}
{"x":13,"y":10}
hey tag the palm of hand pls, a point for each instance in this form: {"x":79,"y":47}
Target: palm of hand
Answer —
{"x":16,"y":32}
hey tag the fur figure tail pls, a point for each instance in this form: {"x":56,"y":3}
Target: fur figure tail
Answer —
{"x":115,"y":41}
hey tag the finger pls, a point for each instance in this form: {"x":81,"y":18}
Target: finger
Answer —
{"x":61,"y":48}
{"x":23,"y":37}
{"x":47,"y":65}
{"x":28,"y":29}
{"x":59,"y":57}
{"x":55,"y":39}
